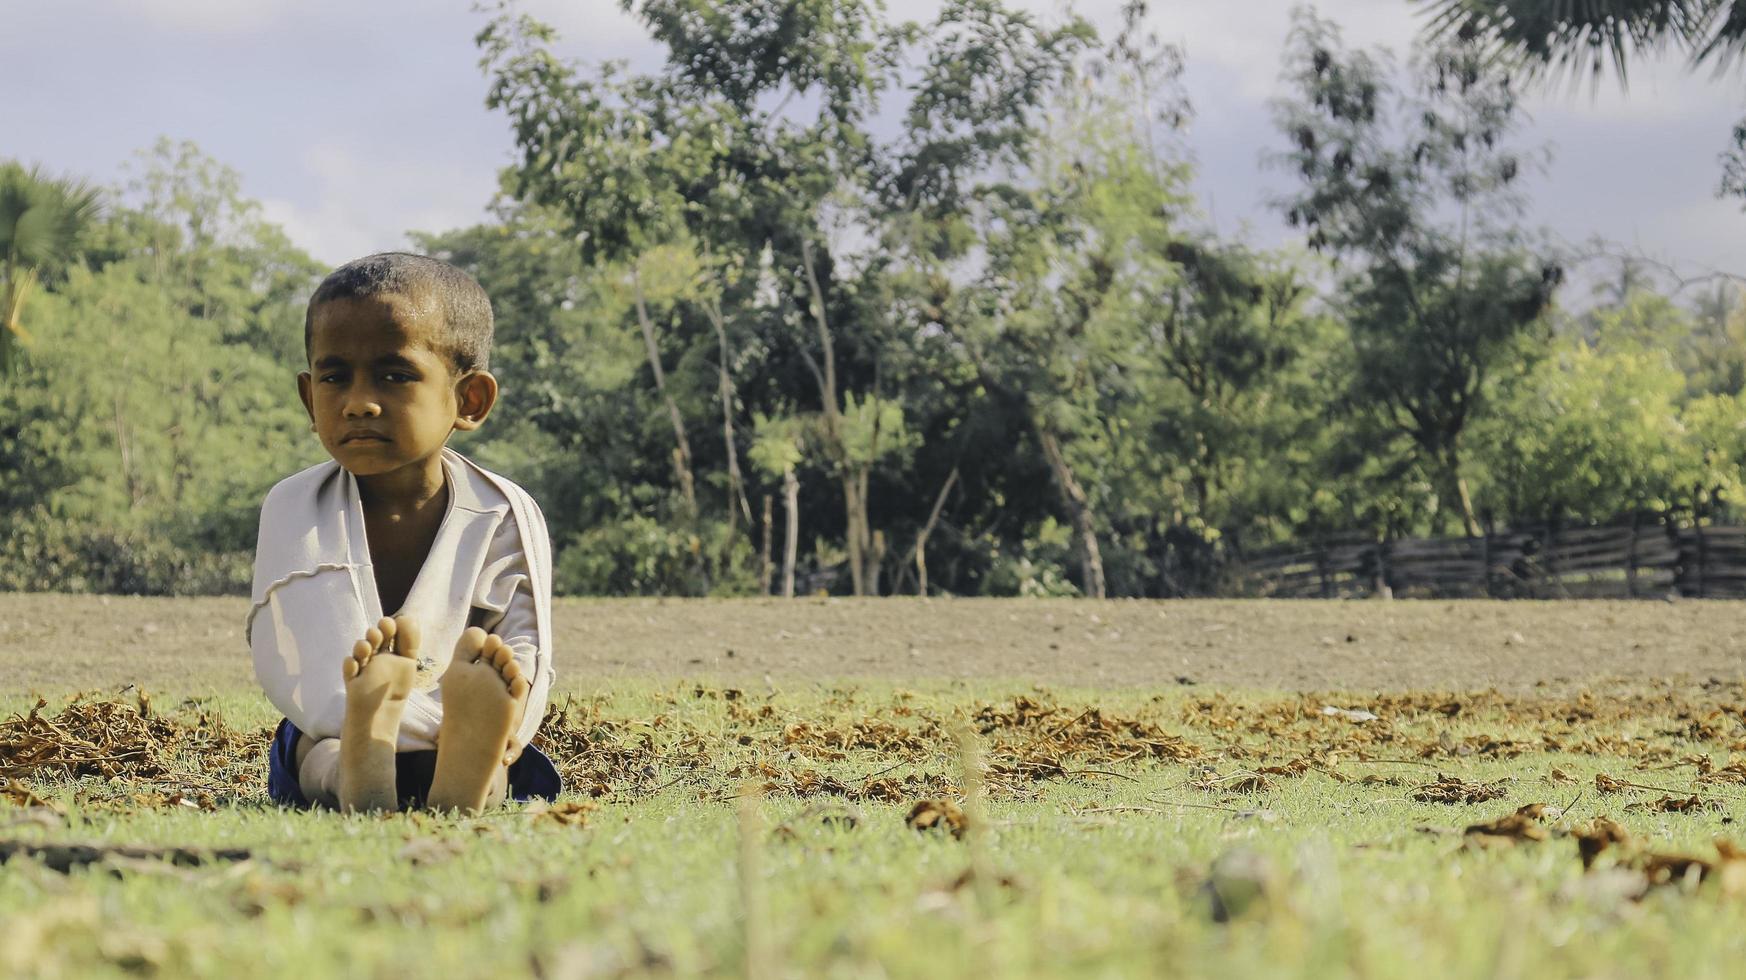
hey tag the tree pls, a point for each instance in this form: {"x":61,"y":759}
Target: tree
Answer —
{"x":1589,"y":433}
{"x":1714,"y":353}
{"x":42,"y":221}
{"x":1583,"y":38}
{"x":777,"y":450}
{"x":1434,"y":304}
{"x":143,"y":430}
{"x":184,"y":218}
{"x":708,"y":151}
{"x":1559,"y":36}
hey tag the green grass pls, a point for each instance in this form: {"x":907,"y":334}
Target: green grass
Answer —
{"x":1099,"y":874}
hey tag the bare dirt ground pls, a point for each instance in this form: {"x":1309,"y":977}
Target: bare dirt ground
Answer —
{"x":56,"y":644}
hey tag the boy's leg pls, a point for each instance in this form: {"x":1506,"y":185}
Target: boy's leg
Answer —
{"x":378,"y":677}
{"x":499,"y":787}
{"x":484,"y":694}
{"x":318,"y":770}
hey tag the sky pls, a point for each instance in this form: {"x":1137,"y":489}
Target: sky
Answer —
{"x":354,"y":122}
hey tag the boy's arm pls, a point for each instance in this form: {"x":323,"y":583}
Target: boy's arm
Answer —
{"x":504,"y":606}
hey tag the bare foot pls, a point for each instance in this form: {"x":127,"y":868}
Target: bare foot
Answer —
{"x":484,"y":693}
{"x":378,"y":677}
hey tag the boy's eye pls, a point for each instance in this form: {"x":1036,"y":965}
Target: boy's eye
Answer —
{"x":328,"y":379}
{"x":398,"y":377}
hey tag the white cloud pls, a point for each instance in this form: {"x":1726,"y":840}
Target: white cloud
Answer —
{"x":207,"y":16}
{"x":361,"y":205}
{"x":270,"y":86}
{"x":599,"y":28}
{"x":1712,"y":228}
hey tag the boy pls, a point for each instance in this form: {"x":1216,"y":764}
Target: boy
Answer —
{"x":402,"y":594}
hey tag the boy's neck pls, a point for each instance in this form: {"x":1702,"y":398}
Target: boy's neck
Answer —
{"x":404,"y":492}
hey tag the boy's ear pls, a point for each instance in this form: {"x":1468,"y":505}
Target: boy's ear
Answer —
{"x":475,"y":396}
{"x":306,"y":391}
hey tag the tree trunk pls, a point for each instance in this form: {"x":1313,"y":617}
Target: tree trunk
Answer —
{"x":736,"y":483}
{"x":921,"y":540}
{"x":875,"y":561}
{"x":764,"y":568}
{"x":1079,"y":508}
{"x":682,"y":451}
{"x":854,"y":502}
{"x":12,"y":333}
{"x":791,"y":532}
{"x":853,"y":509}
{"x":1464,"y":500}
{"x":124,"y":447}
{"x":872,"y":542}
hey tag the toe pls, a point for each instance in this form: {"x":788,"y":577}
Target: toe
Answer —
{"x":407,"y":632}
{"x":518,"y":685}
{"x":374,"y":638}
{"x":361,"y":651}
{"x":472,"y":642}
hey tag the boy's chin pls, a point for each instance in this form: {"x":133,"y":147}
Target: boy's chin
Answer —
{"x":371,"y":461}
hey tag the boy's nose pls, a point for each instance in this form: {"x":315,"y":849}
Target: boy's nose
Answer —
{"x":362,"y":408}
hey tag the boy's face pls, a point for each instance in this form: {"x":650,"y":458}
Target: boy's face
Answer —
{"x":382,"y":393}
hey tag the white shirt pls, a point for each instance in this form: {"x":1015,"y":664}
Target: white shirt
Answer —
{"x":315,"y":592}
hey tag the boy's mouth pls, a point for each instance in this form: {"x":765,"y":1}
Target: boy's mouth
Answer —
{"x":352,"y":437}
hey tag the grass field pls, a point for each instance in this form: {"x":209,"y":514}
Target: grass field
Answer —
{"x":1148,"y":788}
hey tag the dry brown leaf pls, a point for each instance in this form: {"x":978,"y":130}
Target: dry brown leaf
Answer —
{"x":15,"y":792}
{"x":1733,"y":772}
{"x":1240,"y":781}
{"x":937,"y":815}
{"x":1677,"y":804}
{"x":1600,"y":835}
{"x":1522,"y":825}
{"x":1453,"y":790}
{"x":572,"y":814}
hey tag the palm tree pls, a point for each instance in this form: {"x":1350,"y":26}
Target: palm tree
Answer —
{"x":1580,"y":38}
{"x":1583,"y":36}
{"x":41,"y":221}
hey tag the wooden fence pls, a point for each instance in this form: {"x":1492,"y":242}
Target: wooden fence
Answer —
{"x":1646,"y":559}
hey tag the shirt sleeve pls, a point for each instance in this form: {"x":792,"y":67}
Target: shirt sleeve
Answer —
{"x":504,"y":605}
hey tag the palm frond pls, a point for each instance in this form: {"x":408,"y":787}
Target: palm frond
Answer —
{"x":42,"y":217}
{"x":1584,"y":38}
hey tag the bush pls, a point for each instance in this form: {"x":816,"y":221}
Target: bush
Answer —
{"x":42,"y":554}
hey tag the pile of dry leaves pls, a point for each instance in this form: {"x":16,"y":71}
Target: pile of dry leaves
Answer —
{"x":130,"y":745}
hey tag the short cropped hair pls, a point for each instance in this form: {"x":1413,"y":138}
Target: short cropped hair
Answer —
{"x":465,"y":308}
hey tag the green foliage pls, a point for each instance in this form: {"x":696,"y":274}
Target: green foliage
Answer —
{"x":1440,"y":294}
{"x":1588,"y":434}
{"x":778,"y":445}
{"x":989,"y":338}
{"x":1554,"y":37}
{"x":137,"y":440}
{"x":638,"y":555}
{"x":1036,"y":566}
{"x":1584,"y":38}
{"x":42,"y":221}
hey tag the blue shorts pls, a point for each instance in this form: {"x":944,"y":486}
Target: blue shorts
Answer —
{"x":532,"y":776}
